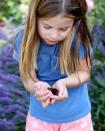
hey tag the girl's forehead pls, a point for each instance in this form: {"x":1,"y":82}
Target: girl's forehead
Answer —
{"x":58,"y":20}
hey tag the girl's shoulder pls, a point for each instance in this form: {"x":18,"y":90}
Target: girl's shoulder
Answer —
{"x":17,"y":40}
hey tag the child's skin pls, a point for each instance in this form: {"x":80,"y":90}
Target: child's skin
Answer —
{"x":52,"y":31}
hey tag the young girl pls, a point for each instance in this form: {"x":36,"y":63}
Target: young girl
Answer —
{"x":54,"y":58}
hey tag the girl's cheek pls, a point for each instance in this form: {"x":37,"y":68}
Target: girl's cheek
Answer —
{"x":64,"y":36}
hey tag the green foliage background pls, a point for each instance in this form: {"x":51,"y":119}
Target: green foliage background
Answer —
{"x":98,"y":15}
{"x":11,"y":9}
{"x":97,"y":90}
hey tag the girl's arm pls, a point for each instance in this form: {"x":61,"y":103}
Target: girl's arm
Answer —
{"x":79,"y":77}
{"x":39,"y":89}
{"x":72,"y":81}
{"x":29,"y":85}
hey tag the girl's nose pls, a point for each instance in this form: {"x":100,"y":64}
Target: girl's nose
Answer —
{"x":54,"y":35}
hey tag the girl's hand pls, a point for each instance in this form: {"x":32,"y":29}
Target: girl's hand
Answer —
{"x":42,"y":93}
{"x":62,"y":91}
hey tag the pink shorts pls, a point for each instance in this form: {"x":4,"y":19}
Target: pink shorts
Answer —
{"x":83,"y":124}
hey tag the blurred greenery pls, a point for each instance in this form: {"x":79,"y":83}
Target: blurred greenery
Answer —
{"x":97,"y":15}
{"x":13,"y":9}
{"x":97,"y":90}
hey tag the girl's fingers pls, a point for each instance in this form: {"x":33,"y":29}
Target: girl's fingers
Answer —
{"x":43,"y":104}
{"x":61,"y":94}
{"x":55,"y":97}
{"x":40,"y":93}
{"x":44,"y":97}
{"x":38,"y":86}
{"x":64,"y":95}
{"x":46,"y":103}
{"x":52,"y":101}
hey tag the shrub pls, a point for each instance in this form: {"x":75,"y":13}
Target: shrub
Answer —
{"x":14,"y":100}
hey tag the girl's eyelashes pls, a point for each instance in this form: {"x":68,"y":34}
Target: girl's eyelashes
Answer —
{"x":47,"y":27}
{"x":63,"y":29}
{"x":60,"y":29}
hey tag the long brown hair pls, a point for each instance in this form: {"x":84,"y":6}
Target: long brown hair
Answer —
{"x":69,"y":57}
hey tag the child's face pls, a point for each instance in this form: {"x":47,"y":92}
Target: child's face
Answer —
{"x":55,"y":29}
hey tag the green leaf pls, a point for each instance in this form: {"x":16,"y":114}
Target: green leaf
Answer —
{"x":100,"y":81}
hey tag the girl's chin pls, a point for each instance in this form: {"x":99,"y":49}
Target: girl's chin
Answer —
{"x":50,"y":42}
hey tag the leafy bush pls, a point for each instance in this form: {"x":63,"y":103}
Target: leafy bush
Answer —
{"x":97,"y":90}
{"x":97,"y":15}
{"x":14,"y":100}
{"x":97,"y":85}
{"x":12,"y":9}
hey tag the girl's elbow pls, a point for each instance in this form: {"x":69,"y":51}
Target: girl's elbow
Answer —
{"x":87,"y":74}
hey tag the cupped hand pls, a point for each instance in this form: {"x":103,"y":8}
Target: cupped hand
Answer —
{"x":42,"y":93}
{"x":62,"y":91}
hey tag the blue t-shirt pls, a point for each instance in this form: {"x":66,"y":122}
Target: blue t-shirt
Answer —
{"x":75,"y":106}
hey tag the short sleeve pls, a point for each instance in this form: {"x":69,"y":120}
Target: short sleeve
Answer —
{"x":82,"y":53}
{"x":17,"y":45}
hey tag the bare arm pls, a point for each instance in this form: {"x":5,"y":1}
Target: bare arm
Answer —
{"x":39,"y":89}
{"x":81,"y":77}
{"x":72,"y":81}
{"x":29,"y":84}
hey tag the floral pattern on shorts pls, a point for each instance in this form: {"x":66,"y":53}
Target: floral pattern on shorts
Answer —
{"x":83,"y":124}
